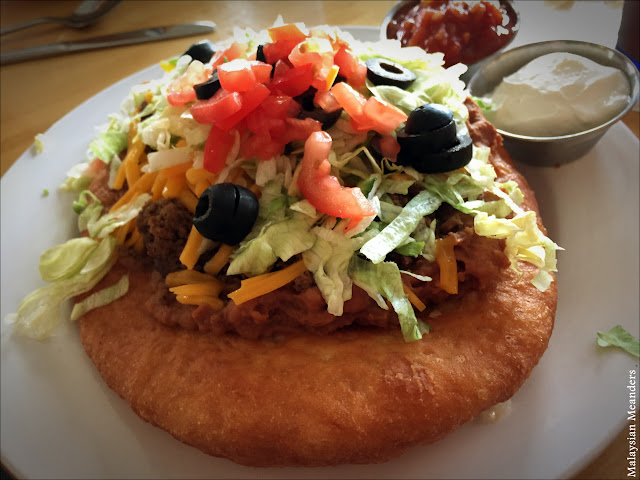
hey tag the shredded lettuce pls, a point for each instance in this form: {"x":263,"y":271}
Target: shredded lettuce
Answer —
{"x":103,"y":226}
{"x":329,"y":260}
{"x":38,"y":313}
{"x":101,"y":298}
{"x":282,"y":240}
{"x":63,"y":261}
{"x":397,"y":232}
{"x":619,"y":337}
{"x":108,"y":144}
{"x":383,"y":280}
{"x":38,"y":143}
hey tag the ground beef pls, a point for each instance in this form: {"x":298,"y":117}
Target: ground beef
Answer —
{"x":165,"y":226}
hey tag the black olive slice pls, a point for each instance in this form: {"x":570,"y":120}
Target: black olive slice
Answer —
{"x":427,"y":142}
{"x":260,"y":54}
{"x":226,"y":213}
{"x":203,"y":51}
{"x":428,"y":117}
{"x":305,"y":99}
{"x":385,"y":72}
{"x":445,"y":161}
{"x":209,"y":88}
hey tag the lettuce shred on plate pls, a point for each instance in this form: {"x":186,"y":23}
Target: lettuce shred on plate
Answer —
{"x":291,"y":235}
{"x":620,"y":338}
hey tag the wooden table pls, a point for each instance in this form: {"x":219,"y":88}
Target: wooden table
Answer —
{"x":37,"y":93}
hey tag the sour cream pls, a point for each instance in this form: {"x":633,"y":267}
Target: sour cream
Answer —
{"x":558,"y":94}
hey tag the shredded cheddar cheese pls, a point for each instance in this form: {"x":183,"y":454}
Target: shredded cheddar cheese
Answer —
{"x":413,"y":298}
{"x":190,"y":253}
{"x":446,"y":259}
{"x":141,"y":186}
{"x":188,"y":199}
{"x":219,"y":260}
{"x":267,"y":282}
{"x":211,"y":289}
{"x":214,"y":302}
{"x":185,"y":277}
{"x":158,"y":186}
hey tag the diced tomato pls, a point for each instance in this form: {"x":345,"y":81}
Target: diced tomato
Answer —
{"x":262,"y":71}
{"x":180,"y":91}
{"x":319,"y":53}
{"x":222,"y":105}
{"x":290,"y":33}
{"x":241,"y":75}
{"x":363,"y":124}
{"x":292,"y":82}
{"x":280,"y":106}
{"x":352,"y":101}
{"x":326,"y":101}
{"x":236,"y":76}
{"x":95,"y":167}
{"x":249,"y":101}
{"x":274,"y":52}
{"x":300,"y":129}
{"x":216,"y":149}
{"x":236,"y":50}
{"x":261,"y":146}
{"x":386,"y":117}
{"x":389,"y":147}
{"x":281,"y":66}
{"x":367,"y":114}
{"x":323,"y":190}
{"x":302,"y":55}
{"x":351,"y":67}
{"x":260,"y":123}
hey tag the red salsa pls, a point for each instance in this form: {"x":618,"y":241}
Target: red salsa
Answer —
{"x":465,"y":31}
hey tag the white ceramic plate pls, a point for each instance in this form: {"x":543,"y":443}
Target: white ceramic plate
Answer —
{"x":59,"y":420}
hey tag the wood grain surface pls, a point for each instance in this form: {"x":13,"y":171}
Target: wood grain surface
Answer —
{"x":35,"y":94}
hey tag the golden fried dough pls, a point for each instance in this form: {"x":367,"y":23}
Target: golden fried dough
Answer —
{"x":355,"y":396}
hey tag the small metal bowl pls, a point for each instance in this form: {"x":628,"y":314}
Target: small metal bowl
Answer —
{"x":474,"y":67}
{"x":552,"y":151}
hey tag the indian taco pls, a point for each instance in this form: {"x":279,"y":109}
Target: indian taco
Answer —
{"x":293,"y":236}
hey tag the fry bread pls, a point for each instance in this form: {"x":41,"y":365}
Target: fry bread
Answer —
{"x":356,"y":396}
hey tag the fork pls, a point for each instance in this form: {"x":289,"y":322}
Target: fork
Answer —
{"x":87,"y":13}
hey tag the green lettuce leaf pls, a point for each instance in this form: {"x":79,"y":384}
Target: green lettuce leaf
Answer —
{"x":619,"y":337}
{"x":63,"y":261}
{"x":282,"y":240}
{"x":103,"y":226}
{"x":108,"y":144}
{"x":397,"y":232}
{"x":38,"y":313}
{"x":328,"y":259}
{"x":383,"y":280}
{"x":101,"y":298}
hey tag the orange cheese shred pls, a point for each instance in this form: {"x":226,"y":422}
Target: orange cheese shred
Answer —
{"x":214,"y":302}
{"x":210,"y":289}
{"x":197,"y":175}
{"x":188,"y":199}
{"x":413,"y":298}
{"x":141,"y":186}
{"x":190,"y":255}
{"x":178,"y":170}
{"x":446,"y":259}
{"x":158,"y":186}
{"x":267,"y":282}
{"x":173,"y":187}
{"x":184,"y":277}
{"x":219,"y":260}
